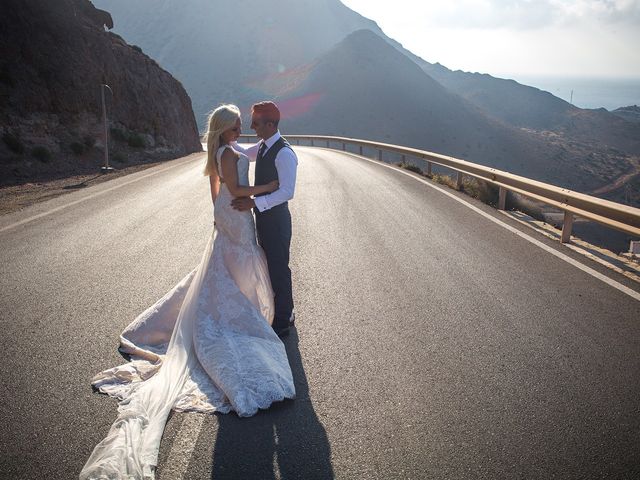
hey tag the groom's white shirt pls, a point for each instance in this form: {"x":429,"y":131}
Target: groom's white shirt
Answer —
{"x":286,"y":165}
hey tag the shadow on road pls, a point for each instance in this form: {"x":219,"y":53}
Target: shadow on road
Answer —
{"x":287,"y":441}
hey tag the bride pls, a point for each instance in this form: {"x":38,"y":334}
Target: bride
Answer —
{"x":207,"y":345}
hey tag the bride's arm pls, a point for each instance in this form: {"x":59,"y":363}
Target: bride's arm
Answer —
{"x":214,"y":183}
{"x":250,"y":151}
{"x":230,"y":175}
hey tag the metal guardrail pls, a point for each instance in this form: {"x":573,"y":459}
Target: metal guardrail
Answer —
{"x":611,"y":214}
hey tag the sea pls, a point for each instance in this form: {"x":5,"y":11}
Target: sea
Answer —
{"x":584,"y":92}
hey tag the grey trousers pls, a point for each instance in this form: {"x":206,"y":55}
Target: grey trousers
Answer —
{"x":273,"y":228}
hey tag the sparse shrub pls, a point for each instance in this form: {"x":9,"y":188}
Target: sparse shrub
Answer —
{"x":118,"y":157}
{"x":484,"y":191}
{"x":526,"y":205}
{"x":13,"y":142}
{"x":119,"y":134}
{"x":136,"y":48}
{"x":89,"y":141}
{"x":444,"y":180}
{"x":480,"y":189}
{"x":411,"y":167}
{"x":41,"y":153}
{"x":5,"y":76}
{"x":77,"y":148}
{"x":136,"y":141}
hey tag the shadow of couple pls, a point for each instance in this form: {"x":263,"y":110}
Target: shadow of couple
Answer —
{"x":286,"y":441}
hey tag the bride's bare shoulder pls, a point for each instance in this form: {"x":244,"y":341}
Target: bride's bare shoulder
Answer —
{"x":229,"y":153}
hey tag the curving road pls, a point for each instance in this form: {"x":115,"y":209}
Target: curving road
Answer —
{"x":432,"y":341}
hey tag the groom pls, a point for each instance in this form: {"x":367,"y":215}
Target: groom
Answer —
{"x":275,"y":160}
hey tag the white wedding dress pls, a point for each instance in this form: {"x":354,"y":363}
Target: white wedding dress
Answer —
{"x":206,"y":346}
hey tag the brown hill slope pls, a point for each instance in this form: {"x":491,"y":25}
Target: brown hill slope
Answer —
{"x":223,"y":51}
{"x":508,"y":100}
{"x":219,"y":49}
{"x":529,"y":107}
{"x":53,"y":58}
{"x":631,"y":113}
{"x":365,"y":88}
{"x":250,"y":50}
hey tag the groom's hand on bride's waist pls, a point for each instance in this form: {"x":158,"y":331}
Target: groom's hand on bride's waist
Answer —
{"x":243,"y":203}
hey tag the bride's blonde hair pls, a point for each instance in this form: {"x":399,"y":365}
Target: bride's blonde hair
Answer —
{"x":222,"y":118}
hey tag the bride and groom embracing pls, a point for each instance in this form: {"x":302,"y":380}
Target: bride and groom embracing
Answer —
{"x":211,"y":344}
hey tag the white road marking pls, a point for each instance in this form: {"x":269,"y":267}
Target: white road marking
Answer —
{"x":594,"y":273}
{"x":89,"y":197}
{"x":182,"y":448}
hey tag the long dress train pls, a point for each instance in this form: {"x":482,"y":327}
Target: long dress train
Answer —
{"x":205,"y":346}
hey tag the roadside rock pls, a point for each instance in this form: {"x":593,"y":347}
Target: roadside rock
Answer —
{"x":54,"y":56}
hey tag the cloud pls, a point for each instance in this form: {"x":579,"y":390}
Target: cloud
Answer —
{"x":547,"y":37}
{"x":492,"y":14}
{"x":525,"y":14}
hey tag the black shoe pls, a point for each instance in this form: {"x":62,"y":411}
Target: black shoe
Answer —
{"x":282,"y":332}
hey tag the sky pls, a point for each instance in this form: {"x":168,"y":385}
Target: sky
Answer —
{"x":516,"y":38}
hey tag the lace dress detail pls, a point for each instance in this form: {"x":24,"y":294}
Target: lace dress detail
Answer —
{"x":206,"y":346}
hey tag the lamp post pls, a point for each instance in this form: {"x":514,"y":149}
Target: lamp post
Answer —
{"x":106,"y":168}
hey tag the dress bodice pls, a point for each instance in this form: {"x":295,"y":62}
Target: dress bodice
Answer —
{"x":242,"y":165}
{"x":238,"y":226}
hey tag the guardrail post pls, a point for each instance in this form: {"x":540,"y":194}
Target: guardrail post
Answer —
{"x":567,"y":225}
{"x":403,"y":158}
{"x":380,"y":155}
{"x":502,"y":198}
{"x":344,"y":147}
{"x":360,"y":149}
{"x":312,"y":142}
{"x":459,"y":181}
{"x":327,"y":143}
{"x":429,"y":166}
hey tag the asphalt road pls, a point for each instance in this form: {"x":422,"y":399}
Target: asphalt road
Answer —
{"x":431,"y":342}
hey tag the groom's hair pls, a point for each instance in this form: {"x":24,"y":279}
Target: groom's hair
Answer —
{"x":267,"y":110}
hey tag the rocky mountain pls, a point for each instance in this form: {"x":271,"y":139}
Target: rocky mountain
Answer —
{"x":53,"y":58}
{"x":630,"y":113}
{"x":528,"y":107}
{"x":179,"y":36}
{"x":508,"y":100}
{"x":401,"y":104}
{"x":247,"y":50}
{"x":219,"y":50}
